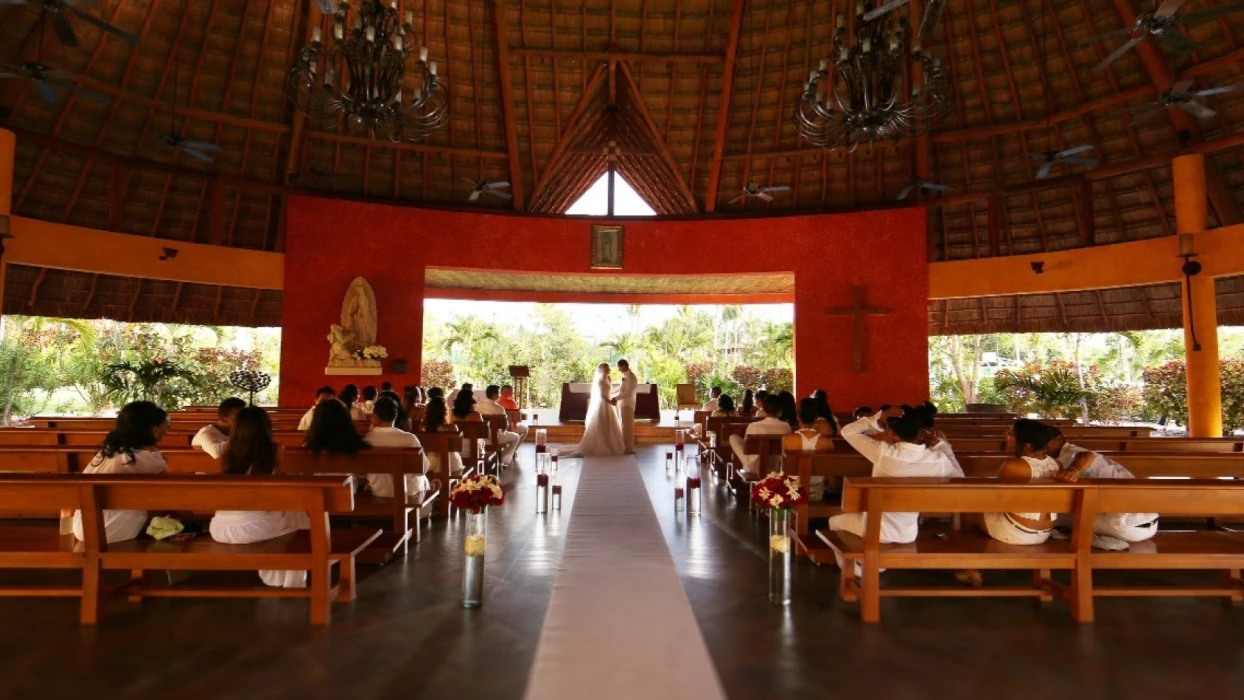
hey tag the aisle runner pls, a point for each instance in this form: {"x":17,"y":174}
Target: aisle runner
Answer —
{"x":619,"y":624}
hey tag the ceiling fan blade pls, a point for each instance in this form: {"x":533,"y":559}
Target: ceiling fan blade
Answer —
{"x":11,"y":75}
{"x":776,"y":188}
{"x":1118,"y":53}
{"x":883,"y":9}
{"x":502,"y":195}
{"x":200,"y":145}
{"x":1045,"y":170}
{"x":1106,"y":35}
{"x":935,"y":187}
{"x":928,"y":24}
{"x":738,"y":199}
{"x":496,"y":185}
{"x":47,"y":93}
{"x":88,"y":94}
{"x":902,"y":194}
{"x":1208,"y":13}
{"x":1181,"y":86}
{"x":63,"y":29}
{"x":1168,"y":8}
{"x":1197,"y":110}
{"x":195,"y":154}
{"x":1074,"y":150}
{"x":104,"y":26}
{"x":764,"y":196}
{"x":1218,"y":90}
{"x":474,"y":195}
{"x":1079,"y":161}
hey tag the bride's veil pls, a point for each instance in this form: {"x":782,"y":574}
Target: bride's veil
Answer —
{"x":593,"y":405}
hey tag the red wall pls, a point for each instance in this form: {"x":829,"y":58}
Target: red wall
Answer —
{"x":330,"y":242}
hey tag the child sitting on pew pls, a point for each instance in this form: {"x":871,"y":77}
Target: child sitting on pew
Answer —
{"x":213,"y":437}
{"x":322,"y":394}
{"x":384,"y":434}
{"x":893,"y":442}
{"x":252,"y":450}
{"x":130,"y":448}
{"x":1111,"y":531}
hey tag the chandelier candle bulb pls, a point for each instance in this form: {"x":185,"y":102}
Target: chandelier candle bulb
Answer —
{"x":841,"y":22}
{"x":338,"y":32}
{"x":371,"y":35}
{"x":423,"y":54}
{"x":432,"y":68}
{"x":410,"y":17}
{"x":315,"y":35}
{"x":823,"y":66}
{"x":397,"y":42}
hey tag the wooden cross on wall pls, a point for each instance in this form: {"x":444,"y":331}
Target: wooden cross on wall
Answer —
{"x":857,"y":310}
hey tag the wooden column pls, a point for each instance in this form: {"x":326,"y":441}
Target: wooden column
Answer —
{"x":1200,"y":307}
{"x":8,"y":152}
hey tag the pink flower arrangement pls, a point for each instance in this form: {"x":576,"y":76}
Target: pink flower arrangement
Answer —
{"x":778,"y":491}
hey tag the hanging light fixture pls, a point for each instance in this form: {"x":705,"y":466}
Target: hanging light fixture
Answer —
{"x":369,"y":77}
{"x":874,"y":91}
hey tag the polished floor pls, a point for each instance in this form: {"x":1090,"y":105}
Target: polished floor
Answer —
{"x":407,"y":637}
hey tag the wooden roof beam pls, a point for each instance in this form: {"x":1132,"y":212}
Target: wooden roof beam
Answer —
{"x":723,"y":106}
{"x":507,"y":103}
{"x":563,"y":142}
{"x":658,"y":140}
{"x":607,"y":55}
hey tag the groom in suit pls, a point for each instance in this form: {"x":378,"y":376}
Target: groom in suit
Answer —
{"x":625,"y":401}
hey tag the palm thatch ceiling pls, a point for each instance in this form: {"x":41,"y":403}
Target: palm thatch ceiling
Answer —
{"x":696,"y":116}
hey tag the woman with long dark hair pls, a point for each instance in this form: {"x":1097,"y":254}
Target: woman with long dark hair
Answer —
{"x":129,"y":448}
{"x":463,"y":411}
{"x":826,"y":423}
{"x":252,"y":450}
{"x":333,"y":430}
{"x":1032,"y":461}
{"x":749,"y":404}
{"x":350,"y":397}
{"x":790,"y":410}
{"x":436,"y":420}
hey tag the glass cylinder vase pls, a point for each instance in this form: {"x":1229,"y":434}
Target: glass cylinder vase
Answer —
{"x":779,"y":557}
{"x":473,"y":566}
{"x":542,"y":493}
{"x":693,"y":494}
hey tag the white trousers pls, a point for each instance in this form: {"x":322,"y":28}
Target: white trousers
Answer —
{"x":246,"y":527}
{"x":628,"y":426}
{"x":1113,"y":525}
{"x":1003,"y":529}
{"x":119,"y":525}
{"x":509,"y":442}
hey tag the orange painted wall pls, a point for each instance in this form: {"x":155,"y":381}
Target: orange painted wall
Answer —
{"x":328,"y":243}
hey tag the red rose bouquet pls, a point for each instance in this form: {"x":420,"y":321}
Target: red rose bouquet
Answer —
{"x":778,"y":491}
{"x":476,"y":492}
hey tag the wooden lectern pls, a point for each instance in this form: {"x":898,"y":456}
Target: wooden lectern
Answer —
{"x":520,"y":374}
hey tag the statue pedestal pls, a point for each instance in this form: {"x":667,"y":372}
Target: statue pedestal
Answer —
{"x":364,"y":368}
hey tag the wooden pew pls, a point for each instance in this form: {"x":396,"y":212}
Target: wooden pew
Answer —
{"x":951,"y":550}
{"x":1211,"y":465}
{"x":764,"y":447}
{"x":441,"y":445}
{"x":806,"y":465}
{"x":493,"y":448}
{"x":42,"y":547}
{"x":473,"y":436}
{"x":315,"y":550}
{"x":718,"y":431}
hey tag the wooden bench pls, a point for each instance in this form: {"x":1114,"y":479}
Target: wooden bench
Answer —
{"x":315,"y":550}
{"x":441,"y":445}
{"x":806,"y":465}
{"x":40,"y":546}
{"x":767,"y":448}
{"x":949,"y":549}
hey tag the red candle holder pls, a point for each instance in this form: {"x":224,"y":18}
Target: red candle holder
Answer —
{"x":542,"y":480}
{"x":541,"y":449}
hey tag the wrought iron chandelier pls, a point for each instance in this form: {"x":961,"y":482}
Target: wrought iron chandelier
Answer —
{"x":874,"y":91}
{"x":359,"y":77}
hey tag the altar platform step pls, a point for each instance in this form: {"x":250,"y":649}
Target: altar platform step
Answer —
{"x":646,"y":432}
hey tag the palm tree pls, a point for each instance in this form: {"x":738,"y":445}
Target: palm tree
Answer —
{"x":465,"y":332}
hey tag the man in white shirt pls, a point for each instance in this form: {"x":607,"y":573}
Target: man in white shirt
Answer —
{"x":713,"y":397}
{"x":383,"y":434}
{"x":213,"y":438}
{"x":894,"y":450}
{"x":322,"y":394}
{"x":1111,"y":531}
{"x":765,"y":426}
{"x":625,"y":401}
{"x":369,"y":400}
{"x":508,"y":439}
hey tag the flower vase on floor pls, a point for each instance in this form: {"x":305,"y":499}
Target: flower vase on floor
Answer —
{"x":475,"y":494}
{"x":542,"y":493}
{"x":669,"y":461}
{"x":693,"y":494}
{"x":542,"y":450}
{"x":779,"y":493}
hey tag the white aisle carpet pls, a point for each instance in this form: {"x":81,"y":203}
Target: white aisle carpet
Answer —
{"x":619,"y":624}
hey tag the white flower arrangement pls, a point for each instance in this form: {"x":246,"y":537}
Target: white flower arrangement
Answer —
{"x":372,"y":352}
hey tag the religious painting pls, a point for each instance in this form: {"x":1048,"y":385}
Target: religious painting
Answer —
{"x":607,"y":247}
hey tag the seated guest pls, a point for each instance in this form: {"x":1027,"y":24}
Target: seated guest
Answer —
{"x":1032,"y":461}
{"x":333,"y":431}
{"x":808,"y":438}
{"x":212,"y":437}
{"x":129,"y":448}
{"x":412,"y":396}
{"x":1112,"y":531}
{"x":369,"y":399}
{"x":435,"y":421}
{"x":324,"y":393}
{"x":789,"y":410}
{"x":509,"y":439}
{"x":766,"y":426}
{"x":862,"y":412}
{"x":725,"y":408}
{"x":383,"y":433}
{"x":252,"y":450}
{"x":748,"y":406}
{"x":760,"y":403}
{"x":891,"y":441}
{"x":403,"y":420}
{"x":714,"y":395}
{"x":386,"y":386}
{"x":825,"y":420}
{"x":507,"y":398}
{"x":350,"y":397}
{"x":464,"y":412}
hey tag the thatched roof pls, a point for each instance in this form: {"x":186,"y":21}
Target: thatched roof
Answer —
{"x":655,"y":73}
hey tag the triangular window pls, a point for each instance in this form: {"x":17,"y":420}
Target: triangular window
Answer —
{"x":626,"y":201}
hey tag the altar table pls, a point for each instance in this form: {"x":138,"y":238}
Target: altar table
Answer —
{"x":575,"y":397}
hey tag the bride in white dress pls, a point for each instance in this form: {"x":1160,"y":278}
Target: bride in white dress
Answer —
{"x":602,"y":435}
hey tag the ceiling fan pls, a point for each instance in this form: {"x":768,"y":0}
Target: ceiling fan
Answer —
{"x":194,"y":149}
{"x":482,"y":187}
{"x":59,"y":11}
{"x":916,"y":183}
{"x":1047,"y":159}
{"x":48,"y":80}
{"x":1178,"y":95}
{"x":1163,"y":24}
{"x":761,"y":193}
